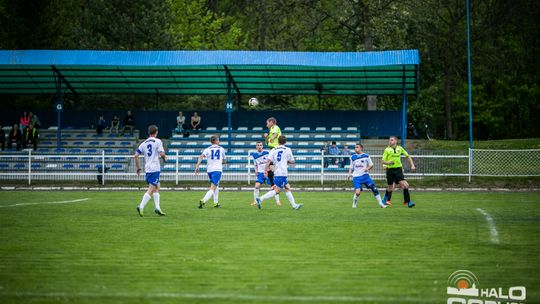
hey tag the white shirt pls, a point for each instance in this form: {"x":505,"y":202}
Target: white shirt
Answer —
{"x":359,"y":163}
{"x":214,"y":158}
{"x":259,"y":159}
{"x":151,"y":148}
{"x":280,"y":156}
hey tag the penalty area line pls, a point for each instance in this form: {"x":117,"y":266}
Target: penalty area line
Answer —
{"x":491,"y":225}
{"x":46,"y":203}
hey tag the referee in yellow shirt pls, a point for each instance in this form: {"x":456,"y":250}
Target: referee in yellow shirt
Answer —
{"x":394,"y":174}
{"x":271,"y":139}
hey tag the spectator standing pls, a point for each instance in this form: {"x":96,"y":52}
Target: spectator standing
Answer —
{"x":101,"y":125}
{"x":30,"y":137}
{"x":129,"y":123}
{"x":180,"y":122}
{"x":34,"y":120}
{"x":334,"y":150}
{"x":3,"y":137}
{"x":115,"y":124}
{"x":15,"y":137}
{"x":195,"y":121}
{"x":346,"y":156}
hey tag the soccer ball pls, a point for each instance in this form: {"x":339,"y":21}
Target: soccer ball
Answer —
{"x":253,"y":102}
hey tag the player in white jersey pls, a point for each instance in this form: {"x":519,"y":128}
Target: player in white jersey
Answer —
{"x":215,"y":158}
{"x":152,"y":149}
{"x":360,"y":165}
{"x":259,"y":162}
{"x":281,"y":156}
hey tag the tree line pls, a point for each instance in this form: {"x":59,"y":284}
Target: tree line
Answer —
{"x":504,"y":49}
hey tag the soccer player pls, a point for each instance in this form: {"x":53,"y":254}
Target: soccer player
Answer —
{"x":259,"y":161}
{"x":272,"y":142}
{"x":215,"y":158}
{"x":360,"y":165}
{"x":152,"y":149}
{"x":281,"y":156}
{"x":394,"y":173}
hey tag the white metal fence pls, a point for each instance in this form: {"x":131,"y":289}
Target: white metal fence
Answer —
{"x":309,"y":167}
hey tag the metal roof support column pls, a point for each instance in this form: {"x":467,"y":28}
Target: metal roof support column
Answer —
{"x":404,"y":112}
{"x":59,"y":107}
{"x":229,"y":109}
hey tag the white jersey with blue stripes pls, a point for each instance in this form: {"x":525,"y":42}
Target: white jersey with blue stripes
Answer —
{"x":151,"y":148}
{"x":214,"y":158}
{"x":259,"y":159}
{"x":359,"y":163}
{"x":281,"y":156}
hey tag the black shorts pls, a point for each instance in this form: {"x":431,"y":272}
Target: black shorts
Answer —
{"x":394,"y":175}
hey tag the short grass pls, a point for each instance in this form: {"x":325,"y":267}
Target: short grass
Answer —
{"x":99,"y":251}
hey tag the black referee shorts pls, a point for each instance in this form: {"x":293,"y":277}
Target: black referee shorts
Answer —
{"x":394,"y":175}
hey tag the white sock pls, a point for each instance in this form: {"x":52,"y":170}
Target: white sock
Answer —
{"x":379,"y":200}
{"x":278,"y":200}
{"x":216,"y":195}
{"x":208,"y":195}
{"x":145,"y":200}
{"x":268,"y":195}
{"x":255,"y":193}
{"x":289,"y":196}
{"x":156,"y":200}
{"x":355,"y":199}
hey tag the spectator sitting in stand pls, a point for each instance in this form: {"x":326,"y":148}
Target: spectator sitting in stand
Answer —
{"x":101,"y":125}
{"x":346,"y":156}
{"x":24,"y":121}
{"x":34,"y":120}
{"x":115,"y":124}
{"x":30,"y":137}
{"x":180,"y":122}
{"x":195,"y":121}
{"x":15,"y":137}
{"x":2,"y":137}
{"x":129,"y":123}
{"x":324,"y":150}
{"x":334,"y":150}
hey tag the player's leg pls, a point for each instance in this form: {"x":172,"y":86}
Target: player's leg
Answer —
{"x":157,"y":197}
{"x":216,"y":197}
{"x":256,"y":192}
{"x":290,"y":197}
{"x":210,"y":193}
{"x":390,"y":186}
{"x":271,"y":181}
{"x":406,"y":195}
{"x":147,"y":195}
{"x":357,"y":185}
{"x":277,"y":188}
{"x":371,"y":185}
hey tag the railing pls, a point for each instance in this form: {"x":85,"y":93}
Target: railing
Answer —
{"x":309,"y":167}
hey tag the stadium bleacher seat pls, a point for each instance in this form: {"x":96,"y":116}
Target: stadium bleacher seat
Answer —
{"x":242,"y":129}
{"x":211,"y":129}
{"x":319,"y":129}
{"x":336,"y":129}
{"x":257,"y":129}
{"x":289,"y":129}
{"x":305,"y":129}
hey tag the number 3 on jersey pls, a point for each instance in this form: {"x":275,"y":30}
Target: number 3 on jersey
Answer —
{"x":149,"y":148}
{"x":279,"y":156}
{"x":215,"y":154}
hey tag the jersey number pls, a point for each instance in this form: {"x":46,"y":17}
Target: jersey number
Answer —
{"x":149,"y":148}
{"x":215,"y":154}
{"x":279,"y":155}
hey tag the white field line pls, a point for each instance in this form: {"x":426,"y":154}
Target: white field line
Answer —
{"x":238,"y":297}
{"x":44,"y":203}
{"x":491,"y":226}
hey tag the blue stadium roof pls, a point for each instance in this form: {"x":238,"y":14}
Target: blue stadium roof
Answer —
{"x":205,"y":72}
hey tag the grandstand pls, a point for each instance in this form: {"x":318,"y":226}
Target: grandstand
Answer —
{"x":81,"y":151}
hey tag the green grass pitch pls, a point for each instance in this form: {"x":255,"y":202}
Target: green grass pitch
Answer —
{"x":97,"y":250}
